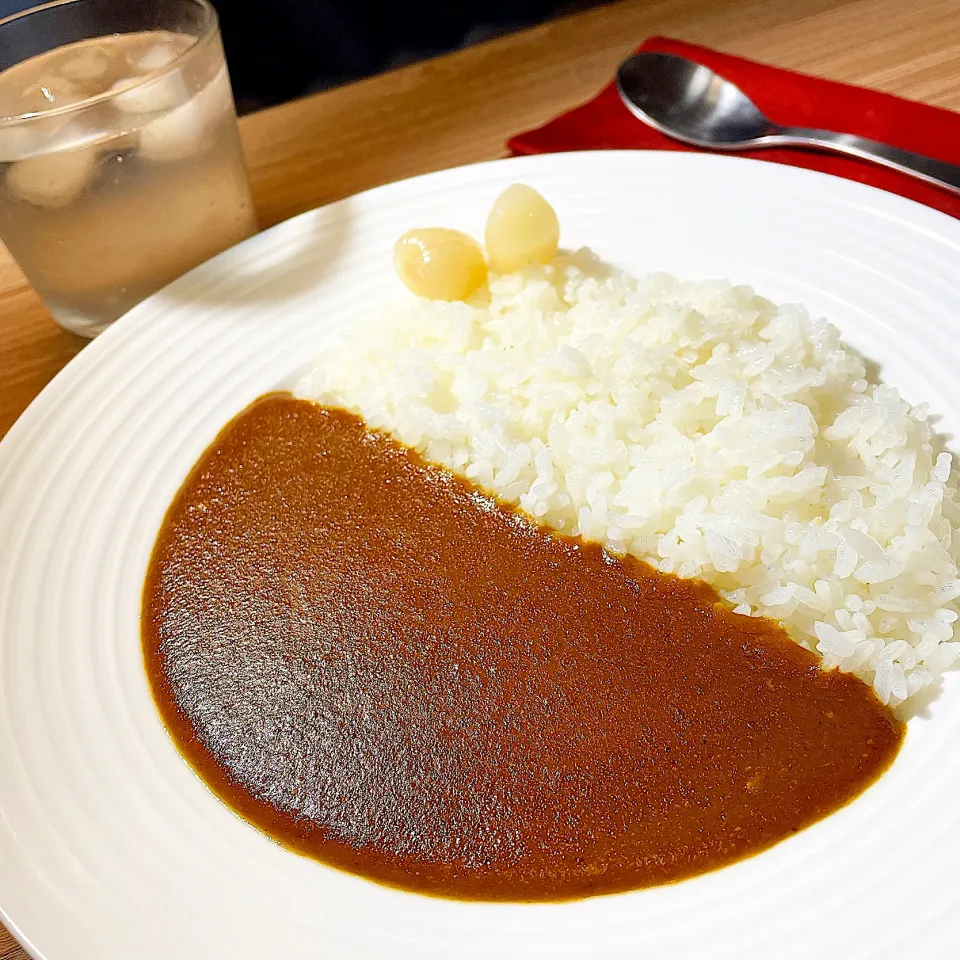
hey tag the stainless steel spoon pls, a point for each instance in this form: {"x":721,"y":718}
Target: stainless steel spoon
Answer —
{"x":691,"y":103}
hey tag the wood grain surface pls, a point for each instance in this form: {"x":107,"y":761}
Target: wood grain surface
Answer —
{"x":8,"y":947}
{"x":461,"y":108}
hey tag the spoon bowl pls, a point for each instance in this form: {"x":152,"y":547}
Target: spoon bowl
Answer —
{"x":690,"y":102}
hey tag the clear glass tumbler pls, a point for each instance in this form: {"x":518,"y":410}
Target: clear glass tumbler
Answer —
{"x":120,"y":163}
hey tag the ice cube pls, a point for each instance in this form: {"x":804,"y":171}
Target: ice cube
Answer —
{"x":53,"y":180}
{"x":86,"y":66}
{"x":17,"y":141}
{"x":175,"y":135}
{"x":48,"y":93}
{"x":41,"y":135}
{"x":38,"y":134}
{"x":159,"y":55}
{"x":217,"y":96}
{"x":150,"y":96}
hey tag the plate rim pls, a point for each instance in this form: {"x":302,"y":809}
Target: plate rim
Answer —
{"x":125,"y":330}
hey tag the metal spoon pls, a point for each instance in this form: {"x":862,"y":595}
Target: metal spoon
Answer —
{"x":691,"y":103}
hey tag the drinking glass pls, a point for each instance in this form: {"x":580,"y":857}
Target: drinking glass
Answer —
{"x":120,"y":163}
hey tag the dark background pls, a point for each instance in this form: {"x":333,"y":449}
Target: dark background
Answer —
{"x":281,"y":49}
{"x":286,"y":48}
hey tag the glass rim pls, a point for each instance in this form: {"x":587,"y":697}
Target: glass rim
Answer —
{"x":210,"y":29}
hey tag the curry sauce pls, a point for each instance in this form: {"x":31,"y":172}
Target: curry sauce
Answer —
{"x":384,"y":668}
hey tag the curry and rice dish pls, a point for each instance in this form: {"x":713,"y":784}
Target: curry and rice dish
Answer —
{"x":551,"y":582}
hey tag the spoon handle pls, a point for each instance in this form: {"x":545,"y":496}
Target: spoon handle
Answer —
{"x":940,"y":174}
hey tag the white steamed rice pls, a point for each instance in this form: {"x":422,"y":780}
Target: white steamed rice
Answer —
{"x":696,"y":426}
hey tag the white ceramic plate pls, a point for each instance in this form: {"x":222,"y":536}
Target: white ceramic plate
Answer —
{"x":112,"y":849}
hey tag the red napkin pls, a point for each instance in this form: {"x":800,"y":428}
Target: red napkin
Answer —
{"x":794,"y":99}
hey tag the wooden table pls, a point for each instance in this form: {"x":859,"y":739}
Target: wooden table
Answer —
{"x":461,"y":108}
